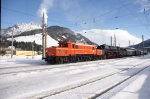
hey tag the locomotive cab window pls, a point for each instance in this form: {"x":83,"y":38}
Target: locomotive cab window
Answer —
{"x":73,"y":46}
{"x":93,"y":48}
{"x":76,"y":46}
{"x":63,"y":45}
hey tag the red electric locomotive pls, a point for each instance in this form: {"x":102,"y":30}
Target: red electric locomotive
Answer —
{"x":70,"y":52}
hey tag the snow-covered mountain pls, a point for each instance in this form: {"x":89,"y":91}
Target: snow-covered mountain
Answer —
{"x":62,"y":33}
{"x":55,"y":34}
{"x":30,"y":32}
{"x":33,"y":32}
{"x":19,"y":28}
{"x":100,"y":36}
{"x":140,"y":45}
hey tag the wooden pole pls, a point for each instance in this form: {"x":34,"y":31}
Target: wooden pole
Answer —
{"x":143,"y":43}
{"x":12,"y":45}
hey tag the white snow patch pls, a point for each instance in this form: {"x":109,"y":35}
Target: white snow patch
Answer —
{"x":134,"y":89}
{"x":37,"y":38}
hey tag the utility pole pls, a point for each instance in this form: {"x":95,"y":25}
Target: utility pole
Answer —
{"x":1,"y":42}
{"x":32,"y":50}
{"x":119,"y":44}
{"x":111,"y":40}
{"x":143,"y":43}
{"x":34,"y":47}
{"x":12,"y":44}
{"x":43,"y":37}
{"x":114,"y":40}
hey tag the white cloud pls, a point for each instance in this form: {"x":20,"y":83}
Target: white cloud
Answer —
{"x":44,"y":7}
{"x":103,"y":36}
{"x":144,"y":4}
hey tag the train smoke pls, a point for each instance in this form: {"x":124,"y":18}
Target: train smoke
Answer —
{"x":44,"y":7}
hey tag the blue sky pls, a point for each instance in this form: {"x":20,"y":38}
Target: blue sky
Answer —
{"x":82,"y":14}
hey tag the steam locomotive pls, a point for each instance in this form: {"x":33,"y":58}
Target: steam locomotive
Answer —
{"x":118,"y":52}
{"x":68,"y":52}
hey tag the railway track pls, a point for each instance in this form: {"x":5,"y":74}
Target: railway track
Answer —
{"x":80,"y":63}
{"x":34,"y":68}
{"x":101,"y":92}
{"x":86,"y":83}
{"x":60,"y":80}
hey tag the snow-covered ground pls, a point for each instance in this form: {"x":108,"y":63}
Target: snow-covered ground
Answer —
{"x":30,"y":77}
{"x":138,"y":89}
